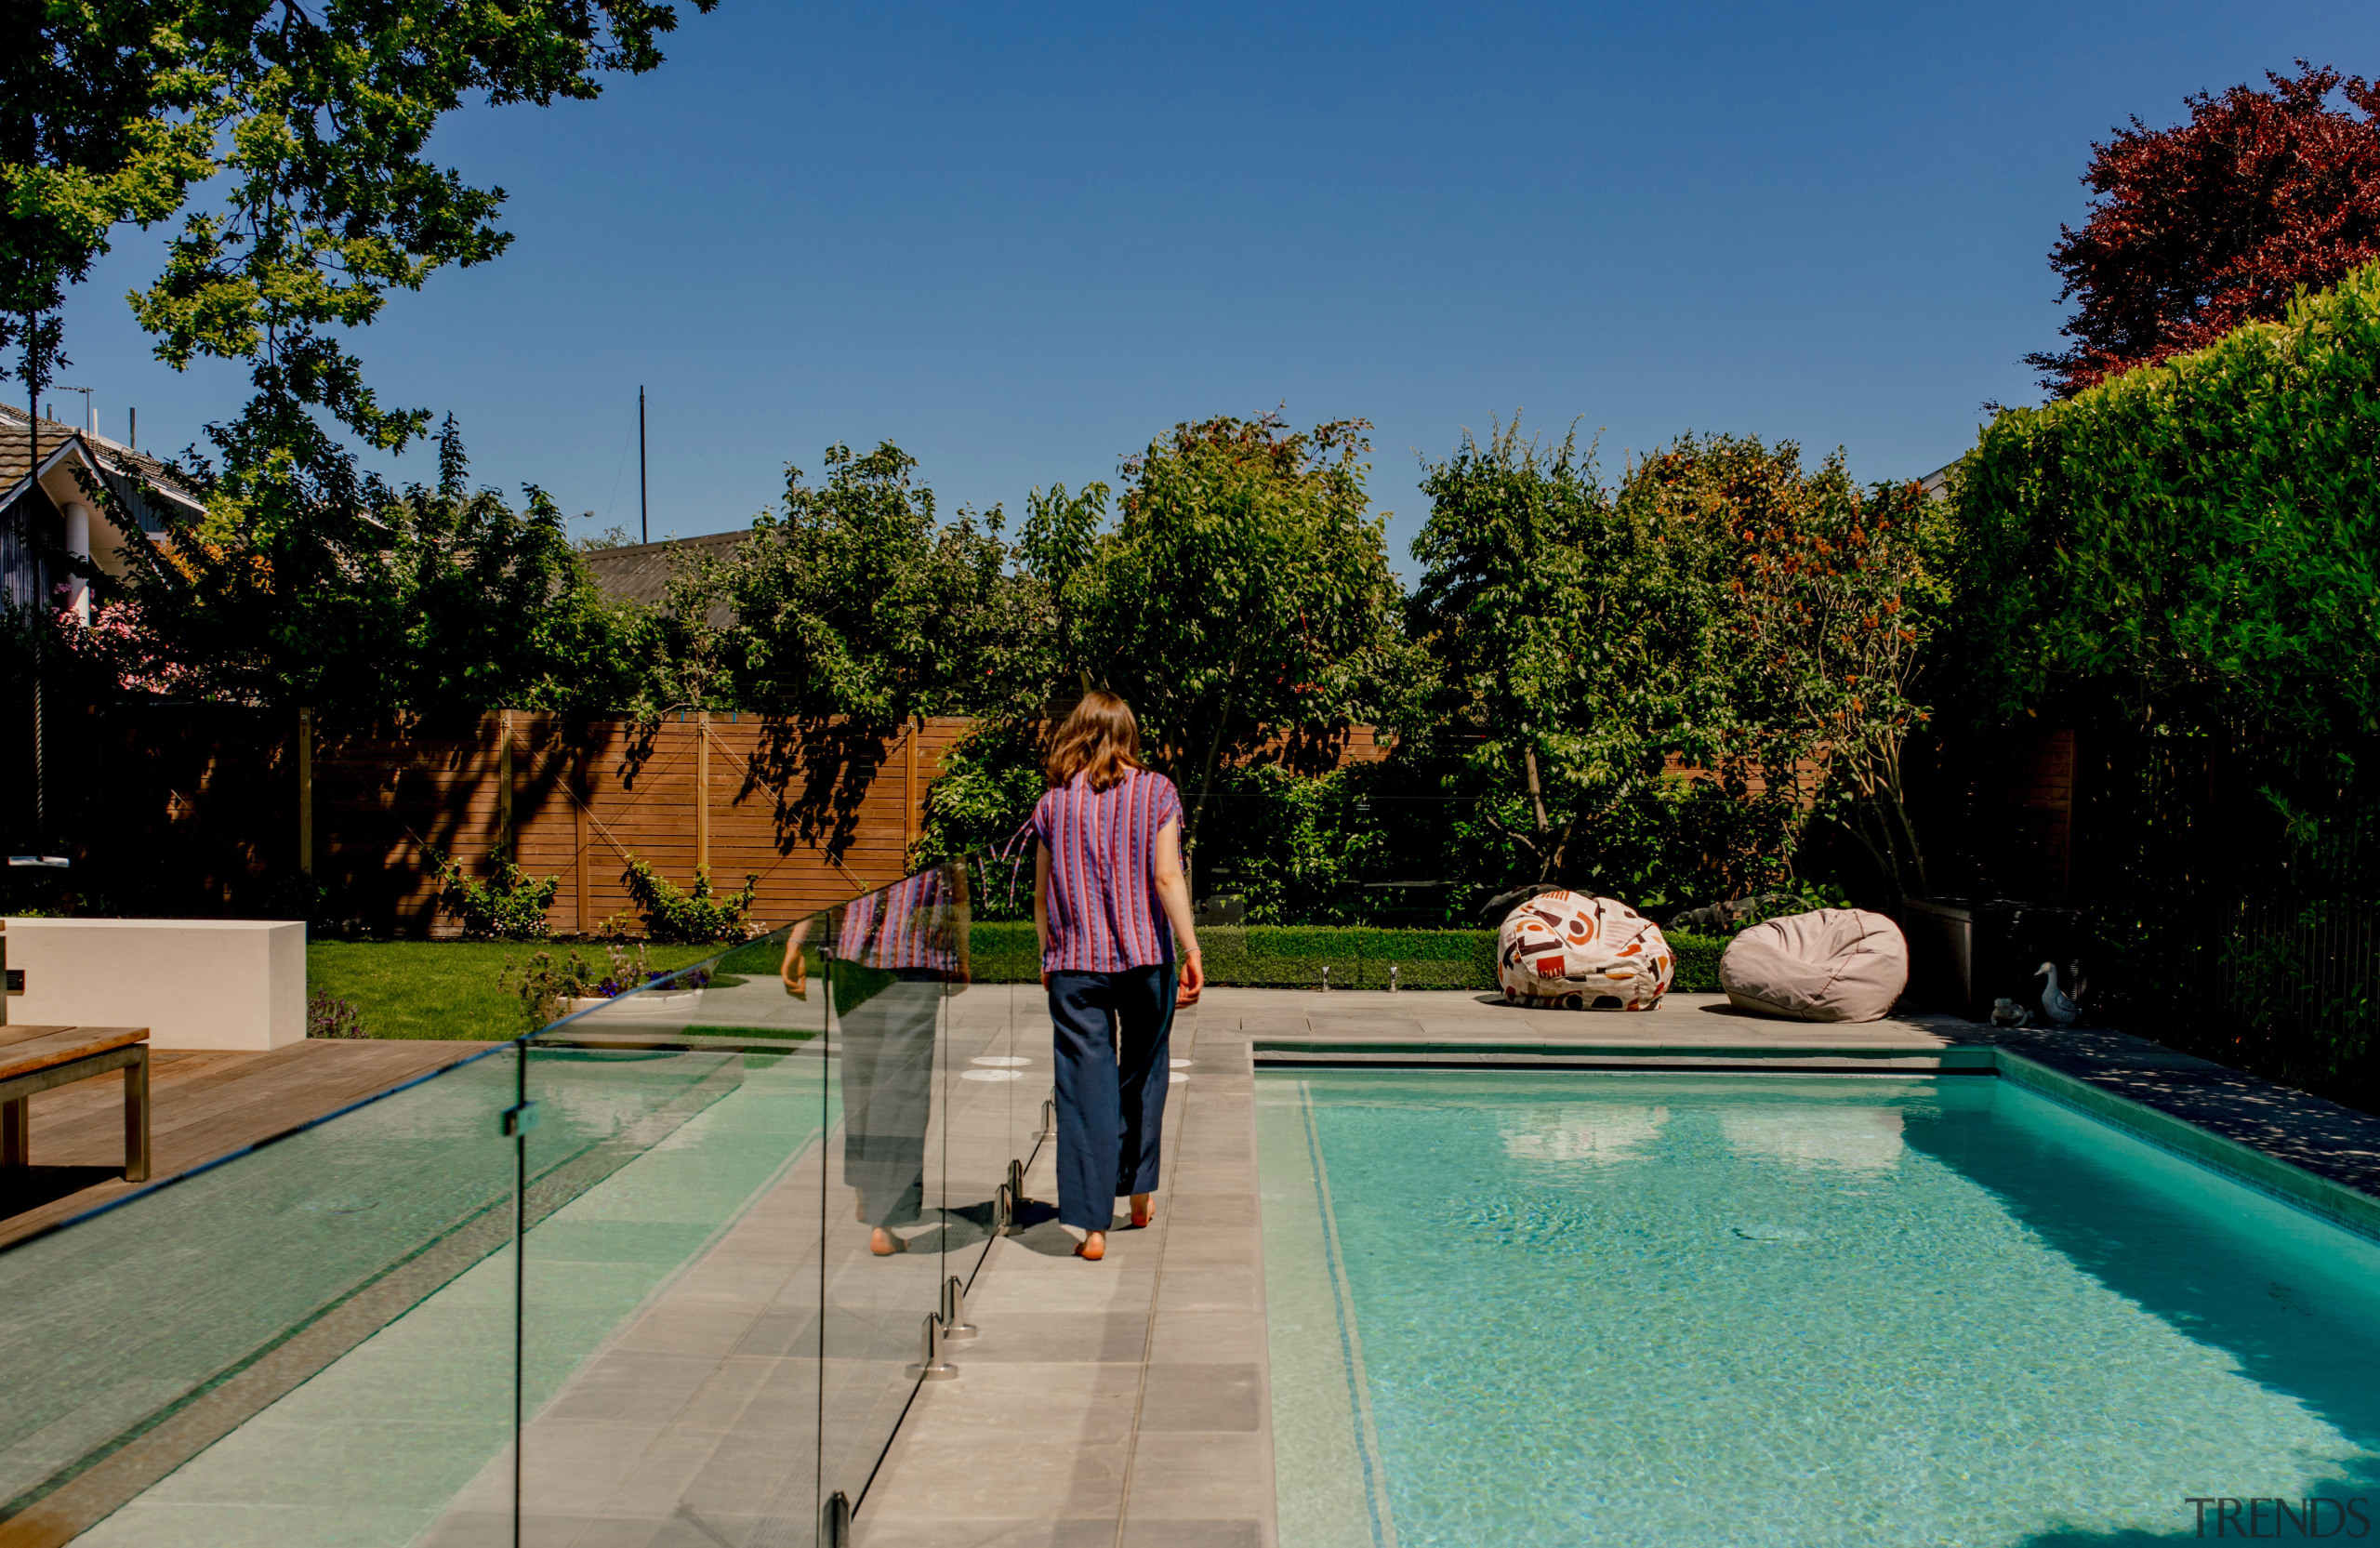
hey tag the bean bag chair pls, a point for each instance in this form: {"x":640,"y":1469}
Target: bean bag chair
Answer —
{"x":1832,"y":964}
{"x":1582,"y":953}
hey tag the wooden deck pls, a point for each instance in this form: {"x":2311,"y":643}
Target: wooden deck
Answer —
{"x":201,"y":1106}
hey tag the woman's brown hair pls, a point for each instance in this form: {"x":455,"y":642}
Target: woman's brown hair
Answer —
{"x":1100,"y":740}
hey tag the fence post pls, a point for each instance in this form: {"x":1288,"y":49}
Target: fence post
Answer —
{"x":306,"y":792}
{"x":702,"y":791}
{"x":909,"y":806}
{"x":582,"y":790}
{"x":504,"y":781}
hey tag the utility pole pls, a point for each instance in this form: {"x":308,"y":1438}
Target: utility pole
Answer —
{"x":643,"y":511}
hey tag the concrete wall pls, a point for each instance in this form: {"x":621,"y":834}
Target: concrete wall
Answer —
{"x":195,"y":984}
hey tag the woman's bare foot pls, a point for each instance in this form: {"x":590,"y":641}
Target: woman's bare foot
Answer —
{"x":1142,"y":1212}
{"x":1092,"y":1247}
{"x":884,"y":1243}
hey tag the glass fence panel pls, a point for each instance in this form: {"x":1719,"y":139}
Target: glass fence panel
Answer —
{"x":672,"y":1227}
{"x":309,"y":1342}
{"x":893,"y":956}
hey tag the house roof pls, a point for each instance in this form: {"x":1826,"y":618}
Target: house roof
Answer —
{"x":640,"y":572}
{"x":58,"y":442}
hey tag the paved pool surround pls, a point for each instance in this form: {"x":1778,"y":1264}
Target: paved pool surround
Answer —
{"x":1125,"y":1404}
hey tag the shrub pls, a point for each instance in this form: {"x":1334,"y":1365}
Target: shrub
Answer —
{"x":329,"y":1016}
{"x":545,"y":984}
{"x":1294,"y":957}
{"x":510,"y":906}
{"x":694,"y":917}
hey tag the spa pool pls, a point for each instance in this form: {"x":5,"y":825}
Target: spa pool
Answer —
{"x":1586,"y":1308}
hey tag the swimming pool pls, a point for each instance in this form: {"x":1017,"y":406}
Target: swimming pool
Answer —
{"x":1587,"y":1308}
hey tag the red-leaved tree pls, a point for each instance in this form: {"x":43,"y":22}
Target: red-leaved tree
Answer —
{"x":2200,"y":228}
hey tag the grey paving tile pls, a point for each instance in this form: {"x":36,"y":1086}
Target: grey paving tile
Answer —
{"x":1213,"y":1246}
{"x":1202,"y":1396}
{"x":1007,"y":1476}
{"x":1195,"y":1476}
{"x":1194,"y":1336}
{"x":629,"y":1385}
{"x":1193,"y":1206}
{"x":790,"y":1330}
{"x":1204,"y":1290}
{"x":615,"y":1531}
{"x":1057,"y":1338}
{"x":1096,"y":1532}
{"x":1143,"y":1533}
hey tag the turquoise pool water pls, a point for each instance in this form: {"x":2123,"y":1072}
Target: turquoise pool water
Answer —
{"x":1588,"y":1309}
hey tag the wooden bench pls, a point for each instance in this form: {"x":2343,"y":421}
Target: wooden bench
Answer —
{"x":36,"y":1058}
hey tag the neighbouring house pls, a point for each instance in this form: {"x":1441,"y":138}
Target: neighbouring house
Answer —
{"x":639,"y":571}
{"x":50,"y":514}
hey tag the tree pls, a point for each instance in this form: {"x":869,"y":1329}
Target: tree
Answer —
{"x":1243,"y":596}
{"x":2199,"y":227}
{"x":307,"y":127}
{"x":310,"y":584}
{"x":858,"y":612}
{"x":98,"y":125}
{"x":1826,"y":599}
{"x":1565,"y":636}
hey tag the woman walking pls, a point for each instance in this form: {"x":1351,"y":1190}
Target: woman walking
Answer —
{"x":1111,"y":907}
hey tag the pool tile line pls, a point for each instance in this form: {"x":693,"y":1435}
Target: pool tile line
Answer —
{"x":1351,"y":1344}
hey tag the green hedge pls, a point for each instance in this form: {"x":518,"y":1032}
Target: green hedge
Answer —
{"x":2198,"y":540}
{"x":1358,"y":958}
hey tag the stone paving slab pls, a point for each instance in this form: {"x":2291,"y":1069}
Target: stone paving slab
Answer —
{"x":1170,"y":1443}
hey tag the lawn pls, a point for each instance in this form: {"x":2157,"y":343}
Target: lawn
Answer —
{"x":439,"y":989}
{"x":452,"y":989}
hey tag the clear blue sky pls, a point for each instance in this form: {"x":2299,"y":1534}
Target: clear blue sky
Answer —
{"x":1019,"y":241}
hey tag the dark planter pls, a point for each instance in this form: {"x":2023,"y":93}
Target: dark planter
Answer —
{"x":1966,"y":953}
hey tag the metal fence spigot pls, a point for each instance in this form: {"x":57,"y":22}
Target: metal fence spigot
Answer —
{"x":1392,"y":978}
{"x":932,"y":1364}
{"x":835,"y":1527}
{"x":955,"y":1325}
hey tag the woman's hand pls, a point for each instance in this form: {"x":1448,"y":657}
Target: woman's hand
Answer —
{"x":1193,"y":979}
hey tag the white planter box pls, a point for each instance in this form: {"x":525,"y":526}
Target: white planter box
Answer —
{"x":194,"y":984}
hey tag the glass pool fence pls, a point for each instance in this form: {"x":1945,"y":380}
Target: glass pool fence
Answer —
{"x":681,"y":1258}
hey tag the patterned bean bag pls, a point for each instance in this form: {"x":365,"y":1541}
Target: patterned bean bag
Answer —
{"x":1832,"y":964}
{"x":1582,"y":953}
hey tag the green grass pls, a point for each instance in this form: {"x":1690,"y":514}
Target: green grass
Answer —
{"x":451,"y":988}
{"x":440,"y":988}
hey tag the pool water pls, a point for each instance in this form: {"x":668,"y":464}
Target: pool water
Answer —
{"x":1580,"y":1308}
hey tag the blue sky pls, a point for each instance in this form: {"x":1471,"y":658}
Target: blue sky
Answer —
{"x":1020,"y":240}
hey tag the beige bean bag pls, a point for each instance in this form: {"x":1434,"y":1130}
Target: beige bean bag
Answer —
{"x":1582,"y":953}
{"x":1834,"y":964}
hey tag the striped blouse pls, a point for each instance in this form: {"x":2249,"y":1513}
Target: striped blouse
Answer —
{"x":1104,"y":913}
{"x":910,"y":926}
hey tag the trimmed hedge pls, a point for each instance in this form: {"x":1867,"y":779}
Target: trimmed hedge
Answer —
{"x":1358,"y":957}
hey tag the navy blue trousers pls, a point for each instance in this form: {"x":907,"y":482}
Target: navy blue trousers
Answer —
{"x":1113,"y":1031}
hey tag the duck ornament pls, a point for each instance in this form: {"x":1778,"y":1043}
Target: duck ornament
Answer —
{"x":2059,"y":1007}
